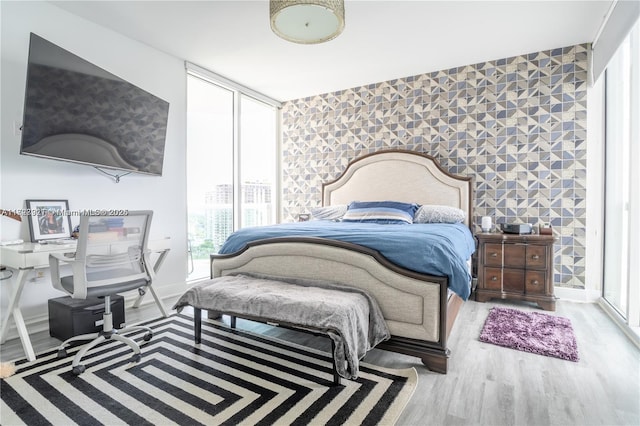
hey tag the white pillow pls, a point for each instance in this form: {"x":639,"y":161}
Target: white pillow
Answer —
{"x":439,"y":214}
{"x":329,"y":212}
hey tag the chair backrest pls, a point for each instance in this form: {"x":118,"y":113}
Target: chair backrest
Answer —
{"x":112,"y":249}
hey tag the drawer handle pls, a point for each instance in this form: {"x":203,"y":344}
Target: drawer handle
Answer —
{"x":494,"y":278}
{"x":535,"y":282}
{"x":494,"y":254}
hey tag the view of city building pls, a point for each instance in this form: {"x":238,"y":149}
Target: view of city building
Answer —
{"x":210,"y":227}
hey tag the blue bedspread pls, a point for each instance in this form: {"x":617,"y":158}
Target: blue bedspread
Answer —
{"x":435,"y":249}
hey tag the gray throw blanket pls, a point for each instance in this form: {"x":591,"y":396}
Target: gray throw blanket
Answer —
{"x":350,"y":316}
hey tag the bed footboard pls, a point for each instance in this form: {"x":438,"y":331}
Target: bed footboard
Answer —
{"x":415,"y":306}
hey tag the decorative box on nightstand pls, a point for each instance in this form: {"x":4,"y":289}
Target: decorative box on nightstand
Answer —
{"x":520,"y":267}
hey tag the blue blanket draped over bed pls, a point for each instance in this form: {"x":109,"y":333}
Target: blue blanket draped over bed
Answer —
{"x":434,"y":248}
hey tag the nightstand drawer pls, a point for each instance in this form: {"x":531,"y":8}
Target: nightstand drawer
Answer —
{"x":493,"y":254}
{"x":493,"y":278}
{"x":514,"y":255}
{"x":535,"y":282}
{"x":536,"y":257}
{"x":513,"y":280}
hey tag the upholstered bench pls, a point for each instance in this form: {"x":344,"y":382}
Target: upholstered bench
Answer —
{"x":350,"y":317}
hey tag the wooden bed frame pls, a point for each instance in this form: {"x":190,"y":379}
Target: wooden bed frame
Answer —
{"x":418,"y":308}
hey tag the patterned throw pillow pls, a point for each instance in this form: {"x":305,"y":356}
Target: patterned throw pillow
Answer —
{"x":329,"y":212}
{"x":391,"y":212}
{"x":439,"y":214}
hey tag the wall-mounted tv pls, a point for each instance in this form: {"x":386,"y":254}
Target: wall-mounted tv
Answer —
{"x":76,"y":111}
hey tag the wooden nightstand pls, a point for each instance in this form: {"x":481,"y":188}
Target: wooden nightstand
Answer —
{"x":520,"y":267}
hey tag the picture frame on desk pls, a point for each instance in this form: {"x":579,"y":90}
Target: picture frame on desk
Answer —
{"x":48,"y":219}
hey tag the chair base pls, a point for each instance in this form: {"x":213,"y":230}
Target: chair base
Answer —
{"x":97,"y":338}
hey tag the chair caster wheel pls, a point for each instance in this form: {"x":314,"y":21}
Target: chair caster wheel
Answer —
{"x":78,"y":369}
{"x":147,"y":336}
{"x":136,"y":358}
{"x":62,"y":353}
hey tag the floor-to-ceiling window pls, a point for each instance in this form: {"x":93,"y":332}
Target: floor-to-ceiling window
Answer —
{"x":232,"y":151}
{"x":622,"y":181}
{"x":257,"y":168}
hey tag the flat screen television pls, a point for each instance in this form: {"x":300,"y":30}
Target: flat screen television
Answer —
{"x":76,"y":111}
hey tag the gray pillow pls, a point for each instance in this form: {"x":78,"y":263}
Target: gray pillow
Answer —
{"x":329,"y":212}
{"x":439,"y":214}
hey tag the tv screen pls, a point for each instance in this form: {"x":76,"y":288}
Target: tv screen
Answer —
{"x":76,"y":111}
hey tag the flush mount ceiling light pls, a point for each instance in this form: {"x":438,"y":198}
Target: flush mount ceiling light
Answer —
{"x":307,"y":21}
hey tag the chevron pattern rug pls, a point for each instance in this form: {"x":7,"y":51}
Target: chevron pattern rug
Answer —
{"x":232,"y":377}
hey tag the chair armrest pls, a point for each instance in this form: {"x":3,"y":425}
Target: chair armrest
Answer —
{"x":54,"y":266}
{"x":61,"y":257}
{"x":78,"y":272}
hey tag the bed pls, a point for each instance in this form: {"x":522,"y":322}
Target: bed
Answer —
{"x":419,"y":307}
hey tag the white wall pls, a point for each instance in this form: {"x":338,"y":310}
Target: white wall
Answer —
{"x":23,"y":177}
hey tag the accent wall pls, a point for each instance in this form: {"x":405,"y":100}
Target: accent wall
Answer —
{"x":517,"y":125}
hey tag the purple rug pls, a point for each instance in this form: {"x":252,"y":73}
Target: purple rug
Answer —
{"x":531,"y":332}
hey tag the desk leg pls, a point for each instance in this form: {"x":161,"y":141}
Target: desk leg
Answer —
{"x":14,"y":309}
{"x":163,"y":310}
{"x":156,"y":266}
{"x":136,"y":304}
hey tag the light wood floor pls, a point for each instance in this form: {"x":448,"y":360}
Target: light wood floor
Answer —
{"x":491,"y":385}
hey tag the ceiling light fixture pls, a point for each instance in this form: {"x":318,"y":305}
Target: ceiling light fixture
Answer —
{"x":307,"y":21}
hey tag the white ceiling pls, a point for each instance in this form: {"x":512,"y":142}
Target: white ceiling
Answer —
{"x":382,"y":40}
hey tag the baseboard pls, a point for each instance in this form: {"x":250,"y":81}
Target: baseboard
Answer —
{"x":577,"y":294}
{"x":38,"y":323}
{"x":631,"y":333}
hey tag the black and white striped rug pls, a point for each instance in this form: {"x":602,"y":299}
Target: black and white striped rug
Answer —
{"x":232,"y":377}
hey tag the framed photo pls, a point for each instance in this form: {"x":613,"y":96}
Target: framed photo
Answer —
{"x":48,"y":219}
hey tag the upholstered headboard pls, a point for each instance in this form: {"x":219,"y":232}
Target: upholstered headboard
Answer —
{"x":397,"y":175}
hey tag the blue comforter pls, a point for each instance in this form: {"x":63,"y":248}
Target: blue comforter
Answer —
{"x":435,"y":249}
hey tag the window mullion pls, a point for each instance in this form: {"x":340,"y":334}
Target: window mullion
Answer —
{"x":237,"y":172}
{"x":634,"y":181}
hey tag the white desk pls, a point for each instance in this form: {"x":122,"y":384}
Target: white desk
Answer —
{"x":26,"y":257}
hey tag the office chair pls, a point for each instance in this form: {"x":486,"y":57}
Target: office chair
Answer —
{"x":111,"y":257}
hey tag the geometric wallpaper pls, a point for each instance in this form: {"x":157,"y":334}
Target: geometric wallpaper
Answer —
{"x":517,"y":125}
